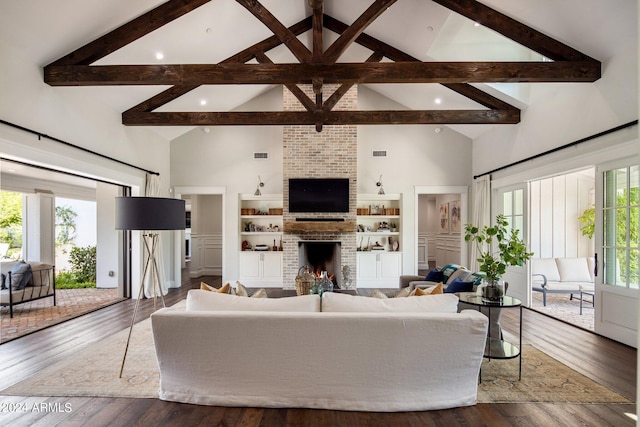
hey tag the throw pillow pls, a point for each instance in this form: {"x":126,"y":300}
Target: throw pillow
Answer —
{"x":431,"y":290}
{"x":404,"y":292}
{"x":378,"y":294}
{"x":20,"y":276}
{"x":241,"y":290}
{"x":222,"y":290}
{"x":458,"y":285}
{"x":260,"y":293}
{"x":434,"y":275}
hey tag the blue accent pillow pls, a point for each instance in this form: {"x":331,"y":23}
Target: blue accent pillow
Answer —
{"x":20,"y":276}
{"x":434,"y":275}
{"x":458,"y":285}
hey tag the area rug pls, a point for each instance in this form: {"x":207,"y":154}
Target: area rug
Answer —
{"x":94,"y":370}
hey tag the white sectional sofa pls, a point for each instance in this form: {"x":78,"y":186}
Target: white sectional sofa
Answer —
{"x":358,"y":353}
{"x":562,"y":276}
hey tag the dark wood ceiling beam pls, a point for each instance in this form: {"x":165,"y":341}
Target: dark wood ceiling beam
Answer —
{"x":397,"y":55}
{"x":129,"y":32}
{"x":175,"y":92}
{"x":288,"y":38}
{"x":318,"y":28}
{"x":347,"y":37}
{"x":295,"y":90}
{"x":384,"y":72}
{"x":514,"y":30}
{"x":326,"y":118}
{"x":343,"y":89}
{"x":269,"y":43}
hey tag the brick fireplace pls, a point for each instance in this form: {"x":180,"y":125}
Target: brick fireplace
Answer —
{"x":331,"y":153}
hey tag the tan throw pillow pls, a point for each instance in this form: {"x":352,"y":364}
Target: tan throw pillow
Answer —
{"x":222,"y":290}
{"x":404,"y":292}
{"x":433,"y":290}
{"x":260,"y":293}
{"x":379,"y":294}
{"x":241,"y":290}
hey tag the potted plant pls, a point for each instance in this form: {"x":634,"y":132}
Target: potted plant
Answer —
{"x":500,"y":247}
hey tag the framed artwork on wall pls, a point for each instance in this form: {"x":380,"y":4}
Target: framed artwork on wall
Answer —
{"x":454,"y":214}
{"x":444,"y":217}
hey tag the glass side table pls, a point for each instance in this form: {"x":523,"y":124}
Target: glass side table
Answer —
{"x":496,"y":347}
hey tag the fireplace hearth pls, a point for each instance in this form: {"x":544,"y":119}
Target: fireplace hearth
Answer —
{"x":321,"y":256}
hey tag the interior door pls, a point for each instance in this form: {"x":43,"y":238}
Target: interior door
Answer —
{"x":618,"y":251}
{"x":512,"y":203}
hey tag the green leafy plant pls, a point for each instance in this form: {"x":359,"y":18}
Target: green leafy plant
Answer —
{"x":68,"y":280}
{"x":588,"y":222}
{"x":83,"y":263}
{"x":499,"y":246}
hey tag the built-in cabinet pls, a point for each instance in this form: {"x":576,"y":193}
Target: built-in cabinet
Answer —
{"x":260,"y":259}
{"x":379,"y":242}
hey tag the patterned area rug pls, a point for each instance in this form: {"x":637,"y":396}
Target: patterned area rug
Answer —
{"x":93,"y":371}
{"x":568,"y":310}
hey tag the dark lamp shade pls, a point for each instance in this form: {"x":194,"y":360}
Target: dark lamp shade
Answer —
{"x":149,"y":213}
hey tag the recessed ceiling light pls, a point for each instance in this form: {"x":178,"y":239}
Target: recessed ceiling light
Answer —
{"x":203,"y":102}
{"x":159,"y":55}
{"x":429,"y":28}
{"x":437,"y":130}
{"x":476,"y":24}
{"x":438,"y":101}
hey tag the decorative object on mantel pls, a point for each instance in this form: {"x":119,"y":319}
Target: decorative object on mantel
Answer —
{"x":510,"y":251}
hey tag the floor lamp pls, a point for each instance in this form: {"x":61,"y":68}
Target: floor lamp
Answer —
{"x":149,"y":214}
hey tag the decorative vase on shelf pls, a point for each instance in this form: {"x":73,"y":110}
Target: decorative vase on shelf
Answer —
{"x":325,"y":284}
{"x":493,"y":290}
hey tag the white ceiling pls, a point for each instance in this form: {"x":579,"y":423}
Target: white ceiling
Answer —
{"x":47,"y":30}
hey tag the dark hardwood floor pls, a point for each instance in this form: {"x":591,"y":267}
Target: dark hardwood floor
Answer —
{"x":605,"y":361}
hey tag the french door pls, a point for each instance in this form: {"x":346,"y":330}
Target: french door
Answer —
{"x":512,"y":203}
{"x":618,"y":251}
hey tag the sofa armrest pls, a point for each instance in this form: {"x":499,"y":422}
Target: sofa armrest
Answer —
{"x":544,"y":279}
{"x":406,"y":279}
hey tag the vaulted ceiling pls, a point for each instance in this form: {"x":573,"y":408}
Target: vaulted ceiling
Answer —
{"x":226,"y":52}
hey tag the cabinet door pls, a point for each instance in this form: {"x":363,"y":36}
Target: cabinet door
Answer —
{"x":367,"y":266}
{"x":390,"y":264}
{"x":272,"y":265}
{"x":249,"y":265}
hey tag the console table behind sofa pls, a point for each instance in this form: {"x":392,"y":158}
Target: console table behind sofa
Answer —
{"x":41,"y":285}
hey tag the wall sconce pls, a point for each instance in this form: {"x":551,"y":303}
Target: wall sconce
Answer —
{"x":260,"y":184}
{"x":379,"y":184}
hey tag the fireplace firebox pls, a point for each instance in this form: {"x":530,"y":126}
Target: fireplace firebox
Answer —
{"x":321,"y":256}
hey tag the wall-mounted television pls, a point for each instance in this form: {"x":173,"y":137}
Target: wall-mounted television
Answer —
{"x":318,"y":195}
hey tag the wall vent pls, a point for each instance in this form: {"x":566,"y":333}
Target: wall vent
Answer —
{"x":379,"y":153}
{"x":260,"y":156}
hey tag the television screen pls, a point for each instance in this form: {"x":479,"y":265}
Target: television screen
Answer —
{"x":318,"y":195}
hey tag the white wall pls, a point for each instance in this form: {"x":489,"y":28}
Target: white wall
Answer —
{"x":107,"y":237}
{"x":72,"y":115}
{"x":224,"y":157}
{"x":556,"y":204}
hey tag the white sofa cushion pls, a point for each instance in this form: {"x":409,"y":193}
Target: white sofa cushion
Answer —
{"x":338,"y":302}
{"x":546,"y":266}
{"x":199,"y":300}
{"x":573,"y":269}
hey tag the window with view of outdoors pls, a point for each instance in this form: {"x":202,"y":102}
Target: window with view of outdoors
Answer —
{"x":621,"y":221}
